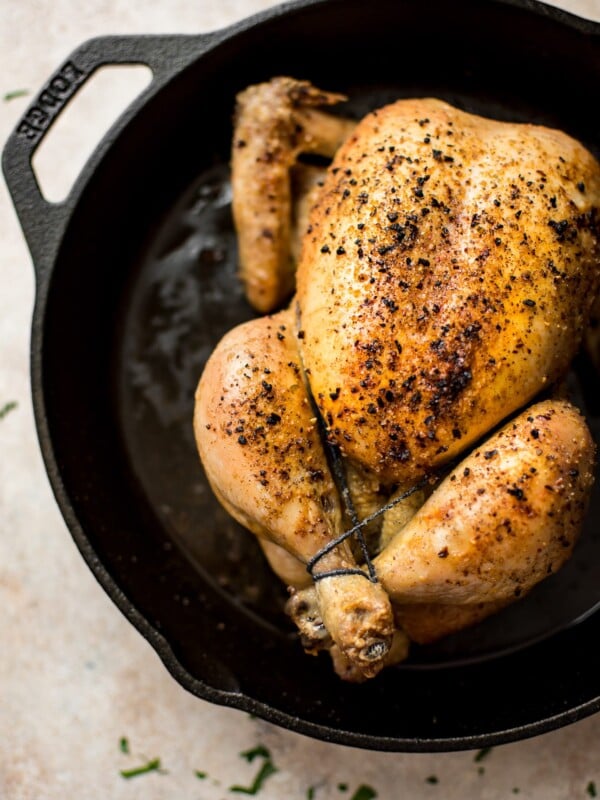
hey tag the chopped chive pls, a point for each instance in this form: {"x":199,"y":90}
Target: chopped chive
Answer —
{"x":483,"y":753}
{"x":7,"y":408}
{"x":14,"y":94}
{"x":364,"y":793}
{"x":199,"y":774}
{"x":267,"y":769}
{"x":591,"y":789}
{"x":310,"y":793}
{"x":255,"y":752}
{"x":343,"y":787}
{"x":432,"y":779}
{"x":151,"y":766}
{"x":124,"y":745}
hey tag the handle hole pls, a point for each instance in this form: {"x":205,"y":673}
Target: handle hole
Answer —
{"x":74,"y":135}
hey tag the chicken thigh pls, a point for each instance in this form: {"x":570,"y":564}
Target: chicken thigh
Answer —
{"x":446,"y":278}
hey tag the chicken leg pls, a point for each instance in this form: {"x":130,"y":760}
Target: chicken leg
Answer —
{"x":263,"y":456}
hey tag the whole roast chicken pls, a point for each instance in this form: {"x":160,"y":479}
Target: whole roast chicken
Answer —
{"x":397,"y":437}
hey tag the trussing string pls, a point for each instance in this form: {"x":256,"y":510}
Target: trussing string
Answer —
{"x":336,"y":466}
{"x":356,"y":529}
{"x":334,"y":458}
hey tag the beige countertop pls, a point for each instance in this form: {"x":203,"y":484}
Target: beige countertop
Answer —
{"x":75,"y":677}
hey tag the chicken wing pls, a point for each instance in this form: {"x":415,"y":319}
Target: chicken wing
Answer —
{"x":274,"y":123}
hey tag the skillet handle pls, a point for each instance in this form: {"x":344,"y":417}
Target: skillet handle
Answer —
{"x":43,"y":222}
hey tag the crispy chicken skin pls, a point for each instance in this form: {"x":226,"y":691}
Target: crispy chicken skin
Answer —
{"x":507,"y":515}
{"x":258,"y":440}
{"x":446,"y":277}
{"x":274,"y":123}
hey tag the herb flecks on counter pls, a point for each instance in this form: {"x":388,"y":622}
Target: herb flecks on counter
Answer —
{"x":364,"y":792}
{"x":266,"y":770}
{"x":483,"y":753}
{"x":14,"y":94}
{"x":591,"y":789}
{"x":150,"y":766}
{"x":200,"y":774}
{"x":432,"y":779}
{"x":124,"y":745}
{"x":259,"y":751}
{"x":7,"y":408}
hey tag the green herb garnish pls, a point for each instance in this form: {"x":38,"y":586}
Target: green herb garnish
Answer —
{"x":591,"y":789}
{"x":151,"y":766}
{"x":199,"y":774}
{"x":343,"y":787}
{"x":310,"y":793}
{"x":432,"y":779}
{"x":483,"y":753}
{"x":14,"y":94}
{"x":259,"y":751}
{"x":124,"y":745}
{"x":7,"y":408}
{"x":364,"y":793}
{"x":267,"y":769}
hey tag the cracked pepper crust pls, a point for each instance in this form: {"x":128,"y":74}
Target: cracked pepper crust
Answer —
{"x":446,"y":277}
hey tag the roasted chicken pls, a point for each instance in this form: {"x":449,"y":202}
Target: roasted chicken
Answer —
{"x":447,"y":272}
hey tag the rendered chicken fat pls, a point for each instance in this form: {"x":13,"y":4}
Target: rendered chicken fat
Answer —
{"x":448,"y":266}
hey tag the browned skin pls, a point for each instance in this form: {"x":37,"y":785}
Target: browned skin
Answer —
{"x":306,"y":183}
{"x":504,"y":519}
{"x":274,"y":123}
{"x":447,"y":278}
{"x":263,"y":456}
{"x":427,"y":622}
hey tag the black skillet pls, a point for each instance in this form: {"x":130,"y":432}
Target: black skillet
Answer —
{"x":136,"y":282}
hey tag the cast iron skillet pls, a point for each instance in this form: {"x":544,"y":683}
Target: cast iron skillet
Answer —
{"x":136,"y":282}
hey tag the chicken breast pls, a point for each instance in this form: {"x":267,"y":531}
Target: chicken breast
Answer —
{"x":447,"y":278}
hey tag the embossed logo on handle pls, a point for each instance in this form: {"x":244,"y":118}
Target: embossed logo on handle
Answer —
{"x":50,"y":101}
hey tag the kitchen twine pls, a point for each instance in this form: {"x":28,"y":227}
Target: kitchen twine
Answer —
{"x":356,"y":528}
{"x":334,"y":458}
{"x":335,"y":462}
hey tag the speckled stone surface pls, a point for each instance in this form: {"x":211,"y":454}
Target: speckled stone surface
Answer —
{"x":75,"y":677}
